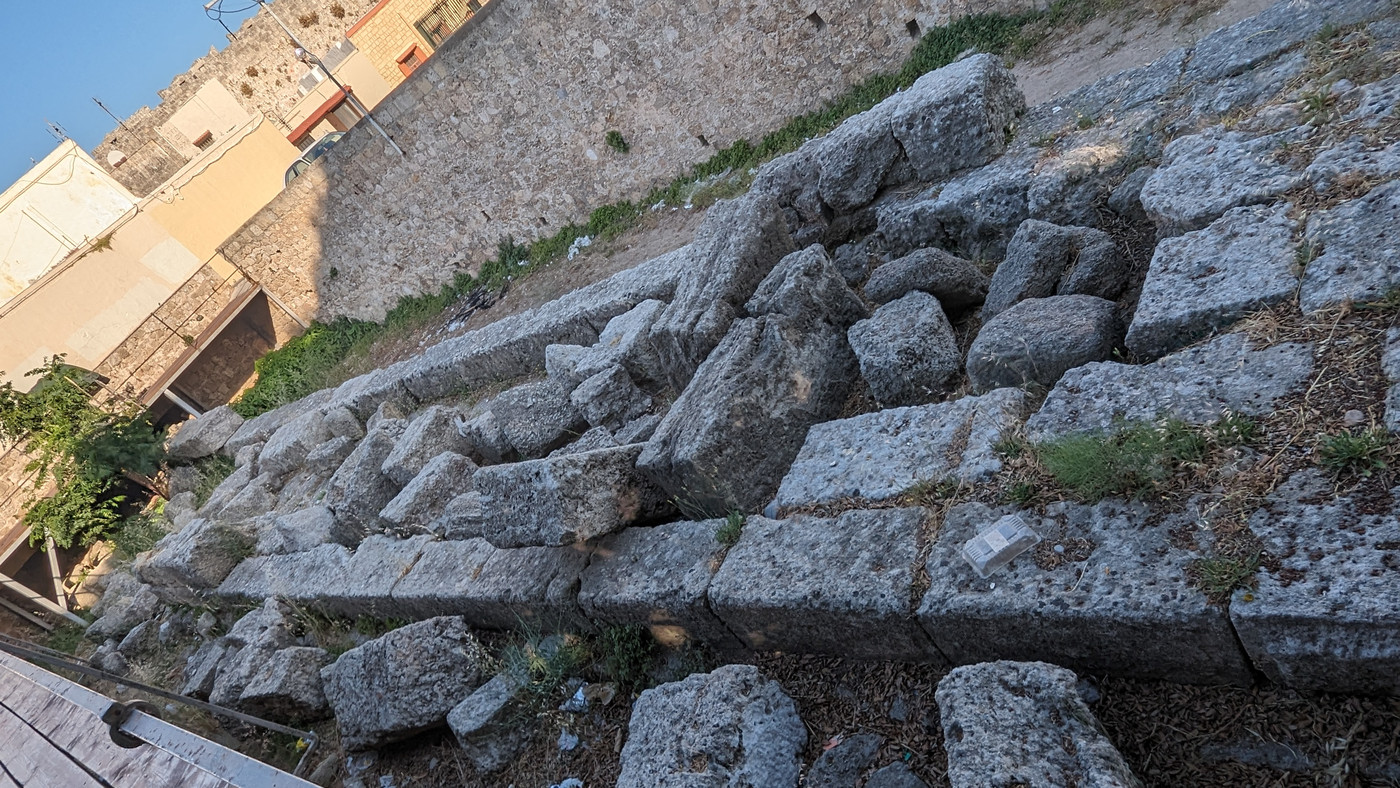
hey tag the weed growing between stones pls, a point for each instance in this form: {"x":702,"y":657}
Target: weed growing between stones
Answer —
{"x":1219,"y":576}
{"x":730,"y":530}
{"x":627,"y":654}
{"x":66,"y":636}
{"x":616,"y":142}
{"x":139,"y":533}
{"x":1359,"y":453}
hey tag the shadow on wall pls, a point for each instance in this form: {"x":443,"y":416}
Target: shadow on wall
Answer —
{"x":505,"y":130}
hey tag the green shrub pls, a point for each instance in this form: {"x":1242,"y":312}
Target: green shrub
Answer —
{"x":615,"y":140}
{"x":626,"y":654}
{"x":1133,"y":460}
{"x":138,"y":534}
{"x":730,"y":530}
{"x":212,"y":472}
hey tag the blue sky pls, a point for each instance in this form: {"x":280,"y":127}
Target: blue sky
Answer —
{"x":58,"y":54}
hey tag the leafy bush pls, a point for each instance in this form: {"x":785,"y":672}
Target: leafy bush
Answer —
{"x":626,"y":654}
{"x":89,"y":454}
{"x":138,"y":534}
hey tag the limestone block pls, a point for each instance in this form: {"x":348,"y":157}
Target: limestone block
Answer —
{"x":423,"y":500}
{"x":730,"y":726}
{"x":567,"y":499}
{"x":535,"y":418}
{"x":956,"y":117}
{"x":855,"y":157}
{"x":359,"y":490}
{"x":1024,"y":723}
{"x":955,"y":282}
{"x":1359,"y":257}
{"x":610,"y":398}
{"x":1206,"y":280}
{"x":484,"y":726}
{"x":1204,"y":175}
{"x":1240,"y":47}
{"x":330,"y":455}
{"x":428,"y":435}
{"x":286,"y":450}
{"x":298,"y":577}
{"x":838,"y":586}
{"x":976,"y":213}
{"x":1039,"y":339}
{"x":1100,"y":607}
{"x":1046,"y":259}
{"x":806,"y":287}
{"x":658,"y":578}
{"x":879,"y":456}
{"x":404,"y":682}
{"x":1326,"y":617}
{"x":493,"y":588}
{"x":906,"y":350}
{"x":197,"y":557}
{"x":1196,"y":385}
{"x":287,"y":686}
{"x":205,"y":435}
{"x":461,"y":518}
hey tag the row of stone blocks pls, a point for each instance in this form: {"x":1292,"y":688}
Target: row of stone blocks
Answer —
{"x":1105,"y":593}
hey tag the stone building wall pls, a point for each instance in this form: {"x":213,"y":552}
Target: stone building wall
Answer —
{"x":385,"y":36}
{"x":504,"y":131}
{"x":258,"y":68}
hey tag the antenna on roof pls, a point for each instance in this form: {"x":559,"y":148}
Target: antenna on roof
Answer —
{"x":56,"y":130}
{"x":99,"y":103}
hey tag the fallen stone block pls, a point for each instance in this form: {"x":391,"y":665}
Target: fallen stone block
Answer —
{"x":428,"y":435}
{"x":423,"y":500}
{"x":1357,"y":257}
{"x":124,"y":604}
{"x":330,"y":455}
{"x":1024,"y":723}
{"x":594,"y":439}
{"x":286,"y":450}
{"x":658,"y":578}
{"x":976,"y":213}
{"x":1196,"y":385}
{"x":287,"y":686}
{"x":841,"y":586}
{"x":1326,"y":616}
{"x":907,"y":351}
{"x":956,"y":283}
{"x":299,"y":577}
{"x":1242,"y":46}
{"x":731,"y":435}
{"x":1038,"y":340}
{"x":205,"y":435}
{"x":196,"y":558}
{"x":731,"y":726}
{"x":563,"y":500}
{"x":1044,"y":259}
{"x":626,"y":341}
{"x":359,"y":490}
{"x":1100,"y":606}
{"x":404,"y":682}
{"x":366,"y":586}
{"x":533,"y":419}
{"x":461,"y":518}
{"x":483,"y":726}
{"x":1206,"y":280}
{"x":253,"y":640}
{"x":855,"y":157}
{"x":341,"y":423}
{"x":956,"y":117}
{"x":1390,"y":367}
{"x":610,"y":398}
{"x":1204,"y":175}
{"x":807,"y":288}
{"x":493,"y":588}
{"x":736,"y":246}
{"x":880,"y":456}
{"x":259,"y":428}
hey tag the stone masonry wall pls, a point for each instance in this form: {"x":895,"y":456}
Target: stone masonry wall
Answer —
{"x":260,"y":58}
{"x":504,"y":127}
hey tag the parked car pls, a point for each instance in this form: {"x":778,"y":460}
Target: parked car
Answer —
{"x":312,"y":154}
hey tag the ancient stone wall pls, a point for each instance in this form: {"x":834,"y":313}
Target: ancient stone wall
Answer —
{"x":258,"y":67}
{"x":504,"y":130}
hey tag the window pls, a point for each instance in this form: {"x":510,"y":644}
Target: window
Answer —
{"x":444,"y":19}
{"x":412,"y":59}
{"x":204,"y":141}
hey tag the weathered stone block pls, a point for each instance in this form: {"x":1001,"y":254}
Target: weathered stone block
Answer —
{"x":1359,"y":258}
{"x":423,"y":500}
{"x":1206,"y":280}
{"x":956,"y":117}
{"x":731,"y":726}
{"x":196,"y":558}
{"x":428,"y":435}
{"x":205,"y":435}
{"x":1039,"y":339}
{"x":1101,"y":606}
{"x":562,"y":500}
{"x":880,"y":456}
{"x":955,"y":282}
{"x":1046,"y":259}
{"x":841,"y":586}
{"x":286,"y":450}
{"x":907,"y":351}
{"x":359,"y":490}
{"x":1024,"y":723}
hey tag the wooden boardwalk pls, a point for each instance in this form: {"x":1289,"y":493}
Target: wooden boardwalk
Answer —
{"x":52,"y":736}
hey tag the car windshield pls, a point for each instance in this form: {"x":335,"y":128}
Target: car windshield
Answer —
{"x":312,"y":154}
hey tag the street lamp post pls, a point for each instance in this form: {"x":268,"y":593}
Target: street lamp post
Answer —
{"x":304,"y":55}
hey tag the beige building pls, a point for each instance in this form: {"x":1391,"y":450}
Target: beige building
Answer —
{"x":63,"y":202}
{"x":323,"y":107}
{"x":398,"y":36}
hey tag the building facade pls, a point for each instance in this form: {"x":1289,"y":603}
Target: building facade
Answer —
{"x":398,"y":36}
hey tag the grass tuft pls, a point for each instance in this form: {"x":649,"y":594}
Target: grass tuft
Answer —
{"x":1354,"y":453}
{"x":1220,"y":576}
{"x":212,"y":472}
{"x":729,"y":532}
{"x":1134,"y":460}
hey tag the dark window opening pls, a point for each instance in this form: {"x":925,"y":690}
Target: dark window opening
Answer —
{"x":411,"y":60}
{"x":913,"y":27}
{"x":703,"y":141}
{"x":444,"y":19}
{"x":816,"y":19}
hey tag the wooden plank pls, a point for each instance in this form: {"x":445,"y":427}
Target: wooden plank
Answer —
{"x":34,"y":762}
{"x":81,"y":734}
{"x":227,"y":766}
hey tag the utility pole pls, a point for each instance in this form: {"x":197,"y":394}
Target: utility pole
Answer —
{"x":304,"y":55}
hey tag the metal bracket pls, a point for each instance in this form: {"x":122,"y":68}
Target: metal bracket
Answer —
{"x":116,"y":716}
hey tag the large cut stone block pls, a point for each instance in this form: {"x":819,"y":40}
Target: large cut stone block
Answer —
{"x":841,"y":586}
{"x":196,"y":558}
{"x":1100,"y":606}
{"x":205,"y":435}
{"x":1326,"y":616}
{"x":879,"y":456}
{"x":1359,"y":256}
{"x":565,"y":499}
{"x":728,"y":727}
{"x":286,"y":450}
{"x":359,"y":490}
{"x":1024,"y":723}
{"x":907,"y":351}
{"x":415,"y":509}
{"x":493,"y":588}
{"x":1036,"y":341}
{"x":428,"y":435}
{"x":1196,"y":385}
{"x":658,"y":577}
{"x":956,"y":117}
